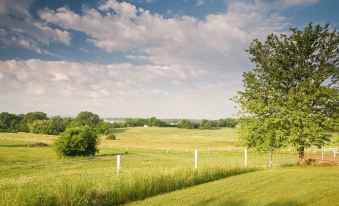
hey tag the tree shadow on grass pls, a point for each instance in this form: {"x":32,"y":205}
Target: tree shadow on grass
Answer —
{"x":13,"y":145}
{"x":285,"y":203}
{"x":213,"y":201}
{"x":111,"y":154}
{"x":118,"y":130}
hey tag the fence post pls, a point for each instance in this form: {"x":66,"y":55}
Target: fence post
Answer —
{"x":322,"y":152}
{"x":167,"y":149}
{"x":334,"y":152}
{"x":118,"y":164}
{"x":245,"y":158}
{"x":270,"y":164}
{"x":195,"y":160}
{"x":208,"y":150}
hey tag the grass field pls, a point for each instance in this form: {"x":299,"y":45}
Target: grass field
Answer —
{"x":158,"y":160}
{"x":285,"y":186}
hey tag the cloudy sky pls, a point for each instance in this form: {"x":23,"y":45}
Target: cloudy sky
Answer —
{"x":137,"y":58}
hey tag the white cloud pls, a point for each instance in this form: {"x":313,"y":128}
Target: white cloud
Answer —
{"x":213,"y":42}
{"x":193,"y":65}
{"x":297,"y":2}
{"x":18,"y":27}
{"x":134,"y":90}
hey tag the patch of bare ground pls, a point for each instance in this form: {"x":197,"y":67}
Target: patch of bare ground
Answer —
{"x":315,"y":160}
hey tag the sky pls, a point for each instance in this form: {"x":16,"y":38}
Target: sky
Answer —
{"x":138,"y":58}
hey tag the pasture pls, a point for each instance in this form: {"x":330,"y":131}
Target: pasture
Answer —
{"x":154,"y":161}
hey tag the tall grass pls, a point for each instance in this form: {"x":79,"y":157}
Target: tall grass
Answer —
{"x":87,"y":189}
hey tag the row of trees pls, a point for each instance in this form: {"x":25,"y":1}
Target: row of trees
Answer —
{"x":186,"y":124}
{"x":19,"y":123}
{"x":207,"y":124}
{"x":139,"y":122}
{"x":40,"y":123}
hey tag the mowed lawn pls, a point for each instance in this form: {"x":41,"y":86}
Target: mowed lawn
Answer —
{"x":295,"y":186}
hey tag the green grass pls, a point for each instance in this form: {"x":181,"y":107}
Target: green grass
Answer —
{"x":173,"y":138}
{"x":285,"y":186}
{"x":30,"y":175}
{"x":107,"y":189}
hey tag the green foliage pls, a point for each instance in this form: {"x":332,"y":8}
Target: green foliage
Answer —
{"x":32,"y":116}
{"x":139,"y":122}
{"x":78,"y":141}
{"x":19,"y":123}
{"x":10,"y":122}
{"x":154,"y":122}
{"x":103,"y":127}
{"x":228,"y":122}
{"x":205,"y":124}
{"x":186,"y":124}
{"x":87,"y":118}
{"x":57,"y":125}
{"x":291,"y":97}
{"x":40,"y":127}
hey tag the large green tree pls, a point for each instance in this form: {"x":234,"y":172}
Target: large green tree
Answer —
{"x":291,"y":97}
{"x":87,"y":118}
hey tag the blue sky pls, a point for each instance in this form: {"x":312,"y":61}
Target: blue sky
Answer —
{"x":137,"y":58}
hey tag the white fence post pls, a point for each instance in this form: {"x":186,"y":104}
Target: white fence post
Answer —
{"x":195,"y":160}
{"x":322,"y":152}
{"x":167,"y":149}
{"x":208,"y":150}
{"x":118,"y":164}
{"x":271,"y":162}
{"x":245,"y":158}
{"x":334,"y":152}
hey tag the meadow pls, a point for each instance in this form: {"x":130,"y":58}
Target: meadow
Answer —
{"x":154,"y":161}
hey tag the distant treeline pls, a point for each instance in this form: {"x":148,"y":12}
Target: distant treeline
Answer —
{"x":186,"y":124}
{"x":207,"y":124}
{"x":40,"y":123}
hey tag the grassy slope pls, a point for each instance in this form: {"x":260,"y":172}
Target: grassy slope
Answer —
{"x":145,"y":153}
{"x":174,"y":138}
{"x":285,"y":186}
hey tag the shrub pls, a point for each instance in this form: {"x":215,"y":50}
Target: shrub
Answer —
{"x":40,"y":127}
{"x":78,"y":141}
{"x":111,"y":137}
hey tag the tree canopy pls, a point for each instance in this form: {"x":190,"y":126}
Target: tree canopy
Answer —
{"x":291,"y":97}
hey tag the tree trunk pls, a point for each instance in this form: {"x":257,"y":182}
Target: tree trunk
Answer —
{"x":301,"y":153}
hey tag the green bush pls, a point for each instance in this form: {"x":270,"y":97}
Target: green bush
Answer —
{"x":40,"y":127}
{"x":78,"y":141}
{"x":111,"y":137}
